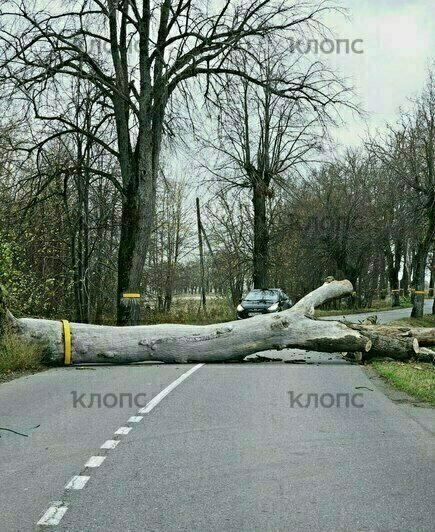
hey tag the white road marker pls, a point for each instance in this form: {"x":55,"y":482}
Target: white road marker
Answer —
{"x":123,"y":430}
{"x":156,"y":400}
{"x":135,"y":419}
{"x":77,"y":483}
{"x":95,"y":461}
{"x":53,"y":515}
{"x":58,"y":509}
{"x":109,"y":444}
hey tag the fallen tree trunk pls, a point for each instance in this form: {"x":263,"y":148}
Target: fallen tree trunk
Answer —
{"x":424,"y":335}
{"x":384,"y":345}
{"x":426,"y":355}
{"x":293,"y":328}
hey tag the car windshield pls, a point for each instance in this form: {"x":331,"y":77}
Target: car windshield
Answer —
{"x":262,"y":295}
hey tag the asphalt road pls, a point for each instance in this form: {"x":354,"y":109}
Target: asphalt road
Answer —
{"x":226,"y":450}
{"x":385,"y":316}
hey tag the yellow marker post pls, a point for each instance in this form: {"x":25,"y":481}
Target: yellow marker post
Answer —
{"x":67,"y":341}
{"x":131,"y":300}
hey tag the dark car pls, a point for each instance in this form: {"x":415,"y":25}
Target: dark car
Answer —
{"x":263,"y":301}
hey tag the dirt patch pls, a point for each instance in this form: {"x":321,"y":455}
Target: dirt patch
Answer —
{"x":12,"y":375}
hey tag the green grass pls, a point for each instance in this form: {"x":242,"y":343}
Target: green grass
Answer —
{"x":17,"y":355}
{"x":416,"y":379}
{"x":427,"y":320}
{"x":378,"y":306}
{"x":185,"y":310}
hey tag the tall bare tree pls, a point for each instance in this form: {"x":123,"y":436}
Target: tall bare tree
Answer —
{"x":229,"y":230}
{"x":264,"y":139}
{"x":409,"y":151}
{"x":154,"y":49}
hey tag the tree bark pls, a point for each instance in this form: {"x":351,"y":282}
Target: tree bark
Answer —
{"x":405,"y":278}
{"x":387,"y":345}
{"x":393,"y":262}
{"x":261,"y":237}
{"x":293,"y":328}
{"x":424,"y":335}
{"x":203,"y":303}
{"x":426,"y":355}
{"x":137,"y":218}
{"x":3,"y":309}
{"x":420,"y":270}
{"x":432,"y":276}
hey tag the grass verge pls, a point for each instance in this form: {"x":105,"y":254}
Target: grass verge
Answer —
{"x":374,"y":309}
{"x":17,"y":356}
{"x":187,"y":311}
{"x":416,"y":379}
{"x":428,"y":320}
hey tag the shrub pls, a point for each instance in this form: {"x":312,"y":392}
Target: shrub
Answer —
{"x":18,"y":355}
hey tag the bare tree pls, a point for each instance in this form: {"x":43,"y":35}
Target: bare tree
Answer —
{"x":229,"y":231}
{"x":170,"y":242}
{"x":263,"y":139}
{"x":154,"y":50}
{"x":392,"y":218}
{"x":409,"y":151}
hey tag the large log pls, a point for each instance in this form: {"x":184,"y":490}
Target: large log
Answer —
{"x":384,"y":345}
{"x":293,"y":328}
{"x":424,"y":335}
{"x":426,"y":355}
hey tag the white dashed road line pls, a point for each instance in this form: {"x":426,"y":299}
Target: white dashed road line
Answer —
{"x":77,"y":483}
{"x":54,"y":514}
{"x":95,"y":461}
{"x":109,"y":444}
{"x":135,"y":419}
{"x":123,"y":430}
{"x":156,"y":400}
{"x":57,"y":510}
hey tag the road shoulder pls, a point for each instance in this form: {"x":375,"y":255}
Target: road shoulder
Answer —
{"x":419,"y":411}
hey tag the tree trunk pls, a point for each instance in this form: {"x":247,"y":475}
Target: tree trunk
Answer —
{"x":261,"y":238}
{"x":139,"y":169}
{"x":293,"y":328}
{"x":405,"y":279}
{"x":432,"y":277}
{"x":424,"y":335}
{"x":137,"y":218}
{"x":421,"y":260}
{"x":426,"y":355}
{"x":81,"y":254}
{"x":203,"y":303}
{"x":393,"y":262}
{"x":236,"y":284}
{"x":3,"y":309}
{"x":419,"y":278}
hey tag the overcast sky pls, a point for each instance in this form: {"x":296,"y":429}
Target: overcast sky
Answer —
{"x":398,"y":44}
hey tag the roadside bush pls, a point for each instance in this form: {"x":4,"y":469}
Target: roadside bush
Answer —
{"x":17,"y":355}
